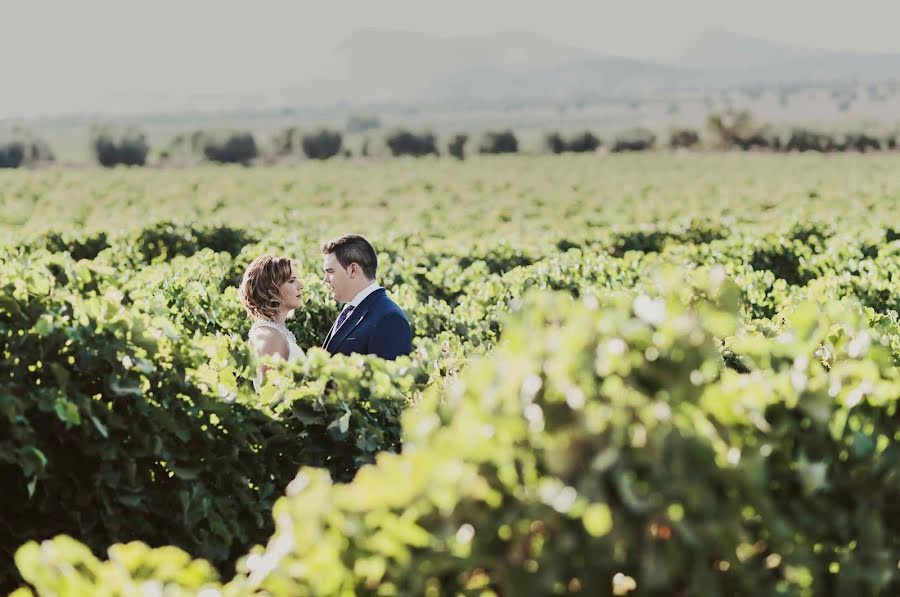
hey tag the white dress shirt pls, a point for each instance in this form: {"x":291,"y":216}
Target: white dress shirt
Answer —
{"x":360,"y":297}
{"x":362,"y":294}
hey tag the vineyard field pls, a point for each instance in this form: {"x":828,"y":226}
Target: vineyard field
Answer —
{"x":518,"y":198}
{"x":654,"y":374}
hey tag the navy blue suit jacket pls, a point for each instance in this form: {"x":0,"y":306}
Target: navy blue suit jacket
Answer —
{"x":376,"y":326}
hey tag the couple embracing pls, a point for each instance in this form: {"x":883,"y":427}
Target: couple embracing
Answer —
{"x":369,"y":323}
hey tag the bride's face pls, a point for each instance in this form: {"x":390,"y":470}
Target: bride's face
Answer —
{"x":291,"y":292}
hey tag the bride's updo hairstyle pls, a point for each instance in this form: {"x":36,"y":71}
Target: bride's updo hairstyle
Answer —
{"x":259,"y":290}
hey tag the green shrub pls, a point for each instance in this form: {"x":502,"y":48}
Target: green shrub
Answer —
{"x":602,"y":448}
{"x":764,"y":137}
{"x":316,"y":145}
{"x":583,"y":142}
{"x":498,"y":142}
{"x":684,"y":138}
{"x":12,"y":154}
{"x":229,"y":147}
{"x":638,"y":139}
{"x":119,"y":422}
{"x":112,"y":147}
{"x":402,"y":143}
{"x":861,"y":142}
{"x":554,"y":143}
{"x":643,"y":240}
{"x":322,"y":144}
{"x":787,"y":260}
{"x":21,"y":148}
{"x":78,"y":247}
{"x":802,"y":139}
{"x":456,"y":146}
{"x":165,"y":240}
{"x":577,"y":142}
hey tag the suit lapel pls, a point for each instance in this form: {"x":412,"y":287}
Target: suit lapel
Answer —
{"x":353,"y":320}
{"x":330,"y":333}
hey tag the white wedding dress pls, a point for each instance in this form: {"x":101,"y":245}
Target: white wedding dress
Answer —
{"x":294,"y":350}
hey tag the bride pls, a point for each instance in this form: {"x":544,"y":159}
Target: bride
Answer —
{"x":270,"y":291}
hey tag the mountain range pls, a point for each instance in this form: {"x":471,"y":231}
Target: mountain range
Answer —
{"x":385,"y":66}
{"x":378,"y":68}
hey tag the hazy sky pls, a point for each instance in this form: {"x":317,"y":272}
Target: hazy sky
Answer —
{"x":69,"y":55}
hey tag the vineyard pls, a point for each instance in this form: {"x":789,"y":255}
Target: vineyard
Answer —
{"x":638,"y":374}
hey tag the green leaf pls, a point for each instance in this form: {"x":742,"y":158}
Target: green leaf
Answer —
{"x":813,"y":475}
{"x":130,"y":500}
{"x":306,"y":415}
{"x":100,"y":426}
{"x":186,"y":473}
{"x":597,"y":519}
{"x":33,"y":462}
{"x":120,"y":389}
{"x":67,"y":412}
{"x":44,"y":326}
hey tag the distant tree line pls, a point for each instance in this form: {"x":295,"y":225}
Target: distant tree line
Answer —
{"x":20,"y":148}
{"x":737,"y":130}
{"x":729,"y":131}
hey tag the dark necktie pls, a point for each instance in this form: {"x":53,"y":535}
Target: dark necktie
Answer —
{"x":344,"y":315}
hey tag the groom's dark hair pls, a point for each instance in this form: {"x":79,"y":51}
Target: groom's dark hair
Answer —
{"x":352,"y":248}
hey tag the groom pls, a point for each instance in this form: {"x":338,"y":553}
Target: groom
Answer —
{"x":370,"y":322}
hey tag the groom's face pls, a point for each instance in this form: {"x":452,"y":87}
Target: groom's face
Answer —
{"x":338,"y":279}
